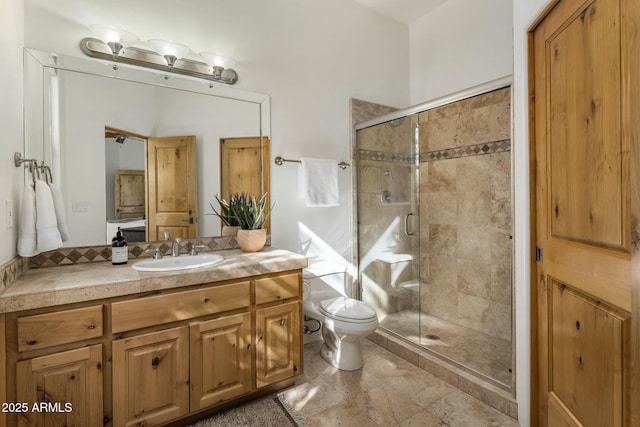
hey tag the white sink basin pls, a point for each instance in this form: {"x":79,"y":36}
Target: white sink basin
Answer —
{"x":184,"y":262}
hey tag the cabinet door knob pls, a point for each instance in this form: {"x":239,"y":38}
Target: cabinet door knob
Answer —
{"x":282,"y":322}
{"x":91,"y":327}
{"x":155,"y":362}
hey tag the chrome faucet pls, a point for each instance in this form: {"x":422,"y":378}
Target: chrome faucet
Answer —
{"x":175,"y":247}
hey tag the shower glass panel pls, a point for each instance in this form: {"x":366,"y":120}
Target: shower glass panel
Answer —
{"x":435,"y":230}
{"x":388,"y":230}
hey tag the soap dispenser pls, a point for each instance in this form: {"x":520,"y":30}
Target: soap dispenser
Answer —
{"x":119,"y":250}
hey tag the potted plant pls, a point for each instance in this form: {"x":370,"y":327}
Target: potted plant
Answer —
{"x":230,"y":224}
{"x":251,"y":216}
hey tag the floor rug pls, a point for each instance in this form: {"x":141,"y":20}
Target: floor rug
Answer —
{"x":266,"y":412}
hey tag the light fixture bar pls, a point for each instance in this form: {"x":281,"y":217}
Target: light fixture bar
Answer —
{"x":96,"y":48}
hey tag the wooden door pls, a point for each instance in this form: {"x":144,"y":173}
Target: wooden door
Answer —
{"x":151,"y":377}
{"x":68,"y":384}
{"x":278,"y":338}
{"x":171,"y":180}
{"x":220,"y":360}
{"x":244,"y":168}
{"x":585,"y":86}
{"x":130,"y":193}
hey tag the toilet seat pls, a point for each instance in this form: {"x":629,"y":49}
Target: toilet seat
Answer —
{"x":348,"y":310}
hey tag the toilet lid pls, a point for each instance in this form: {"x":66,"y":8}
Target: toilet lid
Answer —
{"x":347,"y":309}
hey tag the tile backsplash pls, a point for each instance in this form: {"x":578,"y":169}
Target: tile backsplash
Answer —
{"x":13,"y":269}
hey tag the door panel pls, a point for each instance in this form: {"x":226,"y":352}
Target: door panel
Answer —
{"x":583,"y":54}
{"x":171,"y":177}
{"x":584,"y":109}
{"x":586,"y":355}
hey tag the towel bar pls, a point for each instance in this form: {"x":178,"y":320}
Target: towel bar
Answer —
{"x":280,"y":160}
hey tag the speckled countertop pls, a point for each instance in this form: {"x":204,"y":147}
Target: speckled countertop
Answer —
{"x":48,"y":287}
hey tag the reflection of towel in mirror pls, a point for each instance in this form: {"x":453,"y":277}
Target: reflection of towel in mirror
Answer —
{"x":61,"y":215}
{"x":27,"y":244}
{"x":318,"y":182}
{"x":48,"y":236}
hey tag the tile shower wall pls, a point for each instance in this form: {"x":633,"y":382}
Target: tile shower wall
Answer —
{"x":465,"y":206}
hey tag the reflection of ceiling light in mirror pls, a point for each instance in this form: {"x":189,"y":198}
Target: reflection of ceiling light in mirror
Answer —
{"x":115,"y":37}
{"x":170,"y":51}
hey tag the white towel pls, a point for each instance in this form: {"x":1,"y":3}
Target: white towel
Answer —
{"x":61,"y":215}
{"x":48,"y":236}
{"x":27,"y":243}
{"x":318,"y":182}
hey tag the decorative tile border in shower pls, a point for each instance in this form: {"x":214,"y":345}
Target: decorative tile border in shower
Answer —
{"x":78,"y":255}
{"x":386,"y":156}
{"x":467,"y":151}
{"x":430,"y":156}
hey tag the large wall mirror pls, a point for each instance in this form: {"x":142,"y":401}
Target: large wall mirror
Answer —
{"x":93,"y":122}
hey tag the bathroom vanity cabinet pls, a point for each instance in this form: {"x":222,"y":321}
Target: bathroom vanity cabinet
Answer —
{"x":150,"y":358}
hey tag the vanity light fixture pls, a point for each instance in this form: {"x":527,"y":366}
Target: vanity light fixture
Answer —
{"x":116,"y":38}
{"x":218,"y":62}
{"x":170,"y":51}
{"x":169,"y":57}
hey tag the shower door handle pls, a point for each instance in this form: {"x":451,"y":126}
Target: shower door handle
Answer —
{"x":406,"y":224}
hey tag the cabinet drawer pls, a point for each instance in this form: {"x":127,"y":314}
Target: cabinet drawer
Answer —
{"x":61,"y":327}
{"x":270,"y":289}
{"x":157,"y":310}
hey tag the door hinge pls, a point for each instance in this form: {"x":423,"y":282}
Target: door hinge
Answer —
{"x":538,"y":254}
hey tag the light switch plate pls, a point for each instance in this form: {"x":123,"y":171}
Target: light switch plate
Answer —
{"x":8,"y":213}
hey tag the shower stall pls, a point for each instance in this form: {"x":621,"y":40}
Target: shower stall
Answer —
{"x":434,"y":227}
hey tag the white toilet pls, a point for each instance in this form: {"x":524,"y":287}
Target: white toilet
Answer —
{"x":344,"y":322}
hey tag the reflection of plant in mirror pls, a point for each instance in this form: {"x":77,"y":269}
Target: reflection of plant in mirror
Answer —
{"x":250,"y":212}
{"x":226,"y":209}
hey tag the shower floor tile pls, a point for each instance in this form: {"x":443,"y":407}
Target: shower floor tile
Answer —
{"x":479,"y":352}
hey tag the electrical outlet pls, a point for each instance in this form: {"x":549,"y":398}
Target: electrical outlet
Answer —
{"x":8,"y":213}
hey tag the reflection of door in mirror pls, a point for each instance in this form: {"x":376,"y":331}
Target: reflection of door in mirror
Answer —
{"x":244,"y":168}
{"x":171,"y":178}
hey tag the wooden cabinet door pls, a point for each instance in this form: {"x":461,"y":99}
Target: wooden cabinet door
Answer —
{"x":585,"y":87}
{"x":171,"y":187}
{"x":66,"y":388}
{"x":278,"y":338}
{"x":130,"y":193}
{"x":150,"y":377}
{"x":220,"y":360}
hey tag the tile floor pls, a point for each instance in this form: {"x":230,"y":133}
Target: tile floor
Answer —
{"x":387,"y":391}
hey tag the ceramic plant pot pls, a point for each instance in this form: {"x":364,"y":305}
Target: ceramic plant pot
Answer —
{"x":252,"y":240}
{"x":230,"y":230}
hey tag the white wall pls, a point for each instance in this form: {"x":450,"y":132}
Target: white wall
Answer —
{"x":311,"y":57}
{"x":460,"y":44}
{"x":11,"y":41}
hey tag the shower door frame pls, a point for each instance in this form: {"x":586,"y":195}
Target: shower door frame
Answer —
{"x":356,"y":290}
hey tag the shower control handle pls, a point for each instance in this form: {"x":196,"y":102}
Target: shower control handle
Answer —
{"x":406,"y":224}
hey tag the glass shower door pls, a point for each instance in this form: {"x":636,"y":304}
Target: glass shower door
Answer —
{"x":388,"y":223}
